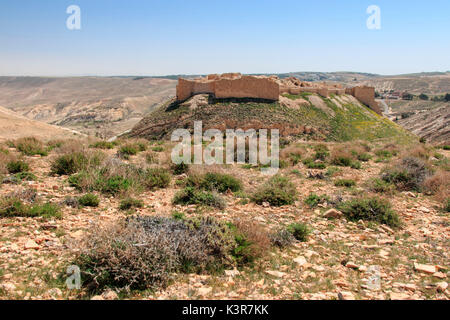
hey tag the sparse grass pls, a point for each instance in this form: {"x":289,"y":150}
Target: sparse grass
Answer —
{"x":14,"y":207}
{"x":103,"y":145}
{"x":277,"y":191}
{"x":345,"y":183}
{"x":311,"y":164}
{"x":370,"y":209}
{"x":213,"y":181}
{"x":156,"y":178}
{"x":30,"y":146}
{"x":130,"y":203}
{"x":380,"y":186}
{"x":74,"y":162}
{"x":89,"y":200}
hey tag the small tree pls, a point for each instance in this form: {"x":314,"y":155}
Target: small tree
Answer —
{"x":423,"y":96}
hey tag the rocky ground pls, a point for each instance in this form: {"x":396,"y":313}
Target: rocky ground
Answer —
{"x":340,"y":260}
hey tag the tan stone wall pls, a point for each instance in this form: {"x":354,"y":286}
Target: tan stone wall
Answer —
{"x":247,"y":87}
{"x":367,"y":96}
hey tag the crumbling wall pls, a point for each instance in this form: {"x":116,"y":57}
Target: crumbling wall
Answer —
{"x":367,"y":96}
{"x":247,"y":87}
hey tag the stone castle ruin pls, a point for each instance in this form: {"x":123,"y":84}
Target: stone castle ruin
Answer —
{"x":235,"y":85}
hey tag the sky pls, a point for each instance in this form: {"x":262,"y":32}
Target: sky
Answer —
{"x":162,"y":37}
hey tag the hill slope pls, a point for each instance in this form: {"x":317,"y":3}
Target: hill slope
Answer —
{"x":339,"y":118}
{"x":104,"y":106}
{"x":13,"y":126}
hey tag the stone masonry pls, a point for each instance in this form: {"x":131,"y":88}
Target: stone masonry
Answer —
{"x":235,"y":85}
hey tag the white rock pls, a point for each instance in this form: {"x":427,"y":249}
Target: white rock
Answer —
{"x":204,"y":291}
{"x":300,"y":260}
{"x":110,"y":295}
{"x":425,"y":268}
{"x":31,"y":244}
{"x":275,"y":273}
{"x":442,"y":286}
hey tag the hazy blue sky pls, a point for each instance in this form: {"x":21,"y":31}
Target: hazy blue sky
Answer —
{"x":159,"y":37}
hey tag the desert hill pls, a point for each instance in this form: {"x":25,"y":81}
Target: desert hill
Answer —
{"x":338,"y":118}
{"x":103,"y":106}
{"x":14,"y":126}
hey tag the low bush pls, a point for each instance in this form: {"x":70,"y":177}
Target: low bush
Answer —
{"x":277,"y":191}
{"x":180,"y":168}
{"x":30,"y":146}
{"x":103,"y":145}
{"x":89,"y":200}
{"x":128,"y":149}
{"x":300,"y":231}
{"x":447,"y":205}
{"x":408,"y":174}
{"x":311,"y":164}
{"x":380,"y":186}
{"x":370,"y":209}
{"x":129,"y":203}
{"x":17,"y":166}
{"x":322,"y":152}
{"x":14,"y":207}
{"x":313,"y":200}
{"x":345,"y":183}
{"x":190,"y":195}
{"x":74,"y":162}
{"x":156,"y":178}
{"x":213,"y":181}
{"x":282,"y":238}
{"x":143,"y":252}
{"x":364,"y":157}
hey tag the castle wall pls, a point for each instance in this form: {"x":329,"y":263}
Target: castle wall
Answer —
{"x":367,"y":96}
{"x":247,"y":87}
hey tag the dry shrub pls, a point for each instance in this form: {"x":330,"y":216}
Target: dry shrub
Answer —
{"x":407,"y":174}
{"x":438,"y":185}
{"x":341,"y":156}
{"x":293,"y":154}
{"x":4,"y":159}
{"x":142,"y":252}
{"x":257,"y":237}
{"x":419,"y":151}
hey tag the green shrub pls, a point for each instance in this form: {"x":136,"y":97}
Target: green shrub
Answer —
{"x":129,"y":203}
{"x":300,"y":231}
{"x":17,"y":166}
{"x":113,"y":185}
{"x":180,"y":168}
{"x":278,"y":191}
{"x":46,"y":210}
{"x":14,"y":207}
{"x":355,"y":165}
{"x":158,"y":149}
{"x":311,"y":164}
{"x":71,"y":163}
{"x":102,"y":145}
{"x":384,"y":153}
{"x":129,"y":149}
{"x":190,"y":195}
{"x":345,"y":183}
{"x":30,"y":146}
{"x":364,"y":157}
{"x":342,"y":161}
{"x":321,"y":152}
{"x":89,"y":200}
{"x":25,"y":176}
{"x":215,"y":182}
{"x":156,"y":178}
{"x":370,"y":209}
{"x":380,"y":186}
{"x":313,"y":200}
